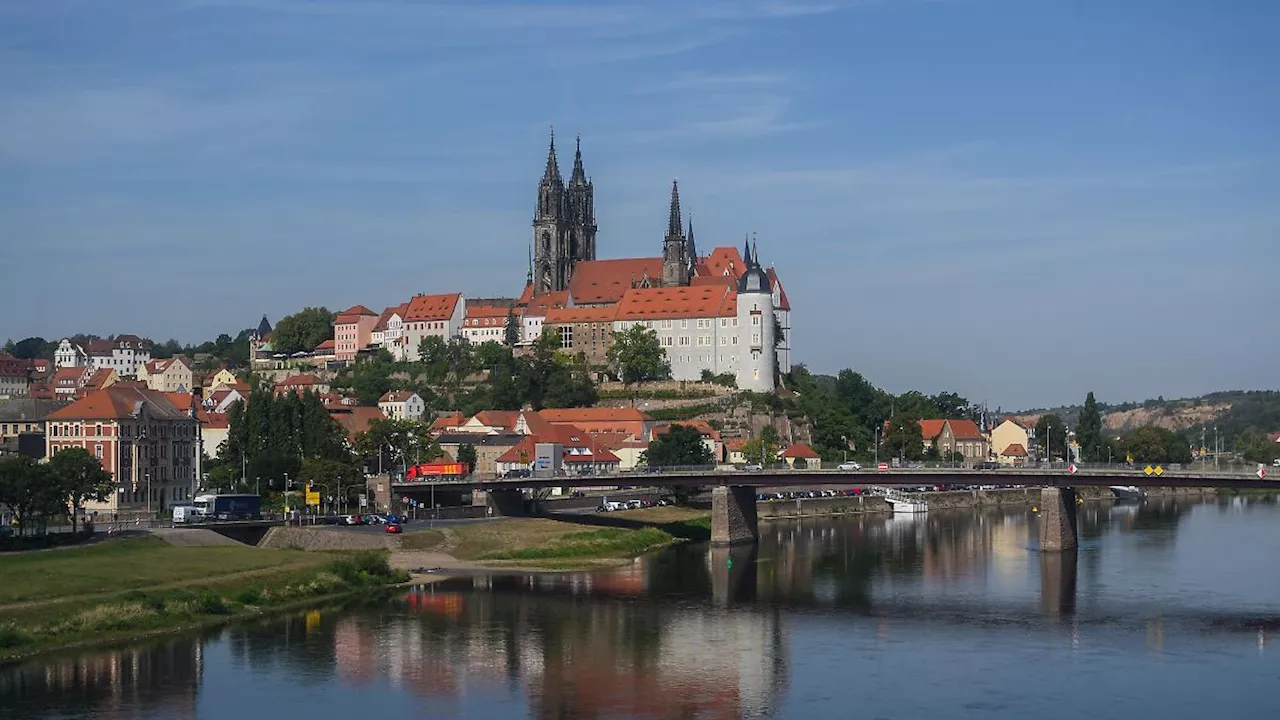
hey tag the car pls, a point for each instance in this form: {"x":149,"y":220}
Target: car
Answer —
{"x":394,"y":528}
{"x":851,"y":465}
{"x":351,"y":520}
{"x":753,"y":467}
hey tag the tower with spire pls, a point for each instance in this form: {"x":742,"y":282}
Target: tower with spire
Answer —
{"x":675,"y":250}
{"x":564,"y":223}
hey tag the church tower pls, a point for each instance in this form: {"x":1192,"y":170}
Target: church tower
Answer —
{"x":757,"y":354}
{"x":675,"y":252}
{"x":581,"y":216}
{"x":550,"y":262}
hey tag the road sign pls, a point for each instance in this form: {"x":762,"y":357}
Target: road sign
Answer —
{"x":1159,"y":471}
{"x":1148,"y":469}
{"x":884,"y":467}
{"x":1262,"y":473}
{"x":313,"y":497}
{"x":1071,"y":468}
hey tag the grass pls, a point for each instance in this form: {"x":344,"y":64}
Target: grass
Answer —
{"x":558,"y":543}
{"x":140,"y":586}
{"x":119,"y":565}
{"x":421,"y":540}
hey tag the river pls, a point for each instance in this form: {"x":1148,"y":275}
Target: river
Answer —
{"x":1170,"y":609}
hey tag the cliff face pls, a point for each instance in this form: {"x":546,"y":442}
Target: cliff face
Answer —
{"x":1178,"y":417}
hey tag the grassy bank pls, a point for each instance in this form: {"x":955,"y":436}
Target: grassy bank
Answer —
{"x":579,"y":541}
{"x":140,"y":587}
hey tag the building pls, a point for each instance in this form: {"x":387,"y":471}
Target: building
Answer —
{"x":622,"y":422}
{"x":123,"y":353}
{"x":564,"y":223}
{"x":402,"y":405}
{"x":585,"y":331}
{"x":488,"y":322}
{"x":353,"y":331}
{"x":149,"y":446}
{"x":167,"y":375}
{"x":952,"y":436}
{"x":1006,"y":434}
{"x":22,"y":424}
{"x":103,"y":378}
{"x":430,"y":315}
{"x":302,"y":383}
{"x":67,"y":381}
{"x":15,"y":378}
{"x":800,"y":455}
{"x":581,"y":453}
{"x":489,"y":447}
{"x":217,"y":379}
{"x":386,"y":332}
{"x":710,"y":436}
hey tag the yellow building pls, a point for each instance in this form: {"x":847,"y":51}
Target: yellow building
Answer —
{"x":1009,"y":443}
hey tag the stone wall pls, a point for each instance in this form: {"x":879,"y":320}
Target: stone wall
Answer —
{"x":322,"y":538}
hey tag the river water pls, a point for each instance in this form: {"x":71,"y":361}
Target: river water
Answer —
{"x":1170,"y":609}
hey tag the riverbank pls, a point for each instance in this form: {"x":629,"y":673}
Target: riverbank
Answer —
{"x":141,"y":586}
{"x":565,"y":543}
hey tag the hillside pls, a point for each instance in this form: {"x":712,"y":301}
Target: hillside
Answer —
{"x":1230,"y":411}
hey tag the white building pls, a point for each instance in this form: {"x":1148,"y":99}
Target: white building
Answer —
{"x":430,"y":315}
{"x":488,"y":323}
{"x":124,"y":353}
{"x":390,"y":326}
{"x":167,"y":375}
{"x":402,"y":405}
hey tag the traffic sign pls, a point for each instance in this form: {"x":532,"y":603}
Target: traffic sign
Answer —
{"x":313,"y":497}
{"x":1148,"y":470}
{"x":1159,"y":470}
{"x":1262,"y":473}
{"x":1071,"y":468}
{"x":884,"y":467}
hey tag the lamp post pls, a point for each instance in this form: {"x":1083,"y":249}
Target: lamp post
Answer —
{"x":877,"y":448}
{"x":845,"y":439}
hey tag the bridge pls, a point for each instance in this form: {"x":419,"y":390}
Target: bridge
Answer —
{"x":733,"y":501}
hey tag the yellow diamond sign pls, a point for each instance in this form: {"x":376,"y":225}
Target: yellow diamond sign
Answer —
{"x":1159,"y":470}
{"x":1148,"y":470}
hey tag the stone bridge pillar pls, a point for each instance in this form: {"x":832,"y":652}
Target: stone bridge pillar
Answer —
{"x":1058,"y":519}
{"x":733,"y":515}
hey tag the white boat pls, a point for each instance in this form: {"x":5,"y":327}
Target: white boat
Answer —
{"x":1128,"y":492}
{"x":904,"y":503}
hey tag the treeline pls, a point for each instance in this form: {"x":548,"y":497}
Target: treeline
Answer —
{"x":456,"y":375}
{"x":34,"y":493}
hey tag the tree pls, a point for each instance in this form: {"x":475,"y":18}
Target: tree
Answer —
{"x":511,"y":329}
{"x":467,"y":456}
{"x":28,"y":490}
{"x":1089,"y":430}
{"x":763,"y":449}
{"x":1051,"y":433}
{"x":636,"y":356}
{"x":951,"y":405}
{"x":903,"y":439}
{"x":388,"y":443}
{"x":31,"y":348}
{"x":303,"y":330}
{"x":1255,"y":447}
{"x":334,"y":477}
{"x":80,"y":477}
{"x":681,"y":446}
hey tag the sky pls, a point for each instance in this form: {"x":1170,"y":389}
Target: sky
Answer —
{"x":1017,"y":200}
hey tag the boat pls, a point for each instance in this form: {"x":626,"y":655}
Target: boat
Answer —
{"x":1127,"y":492}
{"x":903,"y":503}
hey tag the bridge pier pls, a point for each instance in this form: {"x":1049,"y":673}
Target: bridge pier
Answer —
{"x":733,"y":515}
{"x":507,"y":503}
{"x":1058,"y":519}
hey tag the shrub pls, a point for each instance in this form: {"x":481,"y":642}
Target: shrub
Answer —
{"x":10,"y":637}
{"x":249,"y":596}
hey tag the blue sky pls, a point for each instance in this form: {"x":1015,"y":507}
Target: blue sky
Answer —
{"x":1018,"y":200}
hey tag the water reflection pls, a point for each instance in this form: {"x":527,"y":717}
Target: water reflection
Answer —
{"x":708,"y":632}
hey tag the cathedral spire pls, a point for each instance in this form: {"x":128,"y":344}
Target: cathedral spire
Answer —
{"x":528,"y":278}
{"x":755,"y":251}
{"x":673,"y":221}
{"x":693,"y":249}
{"x":579,"y":174}
{"x":746,"y":250}
{"x":552,"y":173}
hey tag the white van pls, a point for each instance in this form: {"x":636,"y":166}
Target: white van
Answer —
{"x":185,"y":514}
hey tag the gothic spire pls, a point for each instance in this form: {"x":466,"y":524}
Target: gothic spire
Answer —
{"x":746,"y":250}
{"x":579,"y":174}
{"x":755,"y":251}
{"x":528,"y":278}
{"x":673,"y":222}
{"x":693,"y":249}
{"x":552,"y":173}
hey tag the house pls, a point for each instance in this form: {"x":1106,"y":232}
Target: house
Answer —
{"x":800,"y":455}
{"x":488,"y":322}
{"x":15,"y":379}
{"x":387,"y":331}
{"x":149,"y":446}
{"x":490,"y":422}
{"x":302,"y":383}
{"x":221,"y":400}
{"x":629,"y":450}
{"x":103,"y":378}
{"x":219,"y":377}
{"x":1013,"y":454}
{"x":581,"y":453}
{"x":447,"y":421}
{"x":357,"y":420}
{"x":402,"y":405}
{"x":167,"y":375}
{"x":585,"y":331}
{"x":337,"y":402}
{"x":964,"y":437}
{"x":431,"y":315}
{"x":353,"y":331}
{"x":488,"y":447}
{"x":1007,"y":433}
{"x":23,"y":418}
{"x":710,"y":436}
{"x":735,"y":451}
{"x":535,"y":313}
{"x":123,"y":353}
{"x":67,"y":381}
{"x":626,"y":422}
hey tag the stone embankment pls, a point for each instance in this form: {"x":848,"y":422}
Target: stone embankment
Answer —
{"x":1028,"y":497}
{"x":321,"y":538}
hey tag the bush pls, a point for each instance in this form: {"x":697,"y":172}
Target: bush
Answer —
{"x":365,"y":567}
{"x":11,"y":637}
{"x":250,"y":596}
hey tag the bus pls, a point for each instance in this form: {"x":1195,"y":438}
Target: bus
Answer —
{"x":228,"y":507}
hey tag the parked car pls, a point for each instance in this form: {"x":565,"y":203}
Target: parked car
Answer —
{"x":351,"y":520}
{"x":851,"y":465}
{"x":753,"y":467}
{"x":394,"y":528}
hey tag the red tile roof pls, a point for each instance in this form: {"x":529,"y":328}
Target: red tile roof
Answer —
{"x":505,"y":419}
{"x":396,"y":396}
{"x":385,"y":318}
{"x":526,"y":295}
{"x":701,"y":426}
{"x":447,"y":420}
{"x":432,"y":307}
{"x":353,"y":314}
{"x":305,"y":380}
{"x":326,"y":345}
{"x":357,"y":420}
{"x":783,"y":302}
{"x":800,"y":450}
{"x":678,"y":302}
{"x":99,"y":378}
{"x":723,"y":261}
{"x":965,"y":430}
{"x":606,"y":281}
{"x":930,"y":429}
{"x":118,"y":402}
{"x":567,"y":436}
{"x":593,"y":415}
{"x":605,"y":313}
{"x":1015,"y":450}
{"x":540,"y":304}
{"x":69,"y":377}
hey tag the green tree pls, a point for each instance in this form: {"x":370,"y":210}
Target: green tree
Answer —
{"x":903,"y":439}
{"x":388,"y":444}
{"x":951,"y":405}
{"x":32,"y":348}
{"x":467,"y":456}
{"x":341,"y":480}
{"x":915,"y":404}
{"x":635,"y":356}
{"x":28,"y":490}
{"x":303,"y":330}
{"x":511,"y":329}
{"x":680,"y":446}
{"x":763,"y":449}
{"x":1254,"y":445}
{"x":81,"y":478}
{"x":1051,"y":434}
{"x":1089,"y":430}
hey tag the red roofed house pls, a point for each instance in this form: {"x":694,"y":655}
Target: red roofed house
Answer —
{"x":167,"y":375}
{"x":625,"y":422}
{"x":353,"y":331}
{"x":356,"y":420}
{"x":447,"y":422}
{"x":961,"y":436}
{"x":581,"y":453}
{"x":438,"y":315}
{"x":14,"y":377}
{"x":801,"y":452}
{"x":490,"y":422}
{"x":485,"y":321}
{"x":302,"y":383}
{"x":67,"y":381}
{"x":147,"y":444}
{"x":402,"y":405}
{"x":1009,"y":434}
{"x":585,"y":331}
{"x":710,"y":436}
{"x":388,"y":330}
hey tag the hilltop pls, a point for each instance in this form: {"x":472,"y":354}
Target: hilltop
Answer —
{"x":1231,"y":411}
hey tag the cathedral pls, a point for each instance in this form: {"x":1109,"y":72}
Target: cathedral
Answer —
{"x":721,"y":312}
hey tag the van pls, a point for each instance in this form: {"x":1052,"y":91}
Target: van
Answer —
{"x":185,"y":514}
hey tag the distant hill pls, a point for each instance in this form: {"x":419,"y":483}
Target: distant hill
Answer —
{"x":1230,"y":411}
